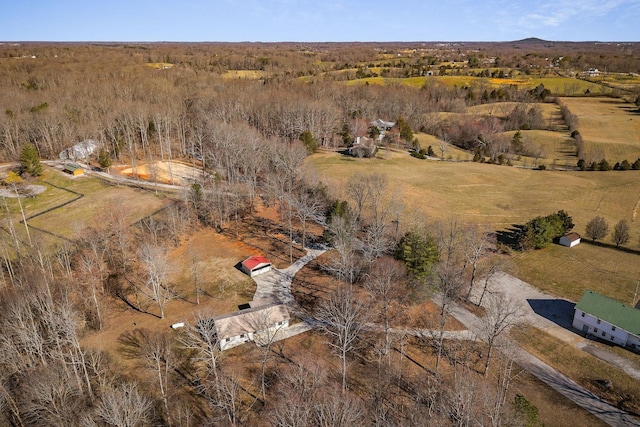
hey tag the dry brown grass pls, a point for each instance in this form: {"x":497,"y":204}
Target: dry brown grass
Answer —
{"x":568,"y":272}
{"x":490,"y":195}
{"x":584,"y":368}
{"x":610,"y":127}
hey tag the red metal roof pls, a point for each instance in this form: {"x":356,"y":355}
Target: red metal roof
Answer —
{"x":572,"y":236}
{"x":254,"y":261}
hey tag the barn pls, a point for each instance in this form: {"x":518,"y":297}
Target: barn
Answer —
{"x":255,"y":265}
{"x":73,"y":169}
{"x":570,"y":240}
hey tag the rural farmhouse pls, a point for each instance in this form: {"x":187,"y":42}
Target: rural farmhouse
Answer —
{"x":255,"y":265}
{"x":258,"y":324}
{"x":608,"y":319}
{"x":570,"y":240}
{"x":80,"y":151}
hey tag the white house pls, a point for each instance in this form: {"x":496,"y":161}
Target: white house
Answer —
{"x":255,"y":265}
{"x":608,"y":319}
{"x":80,"y":151}
{"x":258,"y":324}
{"x":570,"y":240}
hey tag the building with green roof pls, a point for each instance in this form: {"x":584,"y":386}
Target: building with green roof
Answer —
{"x":608,"y":319}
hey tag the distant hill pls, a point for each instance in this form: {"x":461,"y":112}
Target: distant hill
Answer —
{"x":531,"y":40}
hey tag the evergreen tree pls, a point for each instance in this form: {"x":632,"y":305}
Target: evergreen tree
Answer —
{"x":405,"y":130}
{"x":104,"y":158}
{"x":30,"y":160}
{"x":419,"y":254}
{"x":307,"y":140}
{"x":430,"y":152}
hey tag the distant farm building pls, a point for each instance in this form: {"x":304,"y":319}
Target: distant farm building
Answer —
{"x":73,"y":169}
{"x":80,"y":151}
{"x":592,"y":72}
{"x":363,"y":147}
{"x":258,"y":324}
{"x":570,"y":240}
{"x":382,"y":125}
{"x":608,"y":319}
{"x":255,"y":265}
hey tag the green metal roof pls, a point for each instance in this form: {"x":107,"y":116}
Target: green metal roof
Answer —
{"x":71,"y":167}
{"x":611,"y":311}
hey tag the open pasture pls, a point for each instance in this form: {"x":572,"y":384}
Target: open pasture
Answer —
{"x":98,"y":197}
{"x":609,"y":127}
{"x":491,"y":195}
{"x":562,"y":86}
{"x":568,"y":272}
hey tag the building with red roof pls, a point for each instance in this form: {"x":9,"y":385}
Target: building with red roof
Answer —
{"x":255,"y":265}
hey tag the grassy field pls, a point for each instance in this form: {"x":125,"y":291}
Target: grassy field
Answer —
{"x":610,"y":127}
{"x":550,"y":111}
{"x":244,"y":74}
{"x":451,"y":152}
{"x":567,"y":273}
{"x":497,"y":196}
{"x":563,"y":86}
{"x":99,"y":196}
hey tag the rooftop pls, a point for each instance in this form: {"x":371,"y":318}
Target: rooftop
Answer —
{"x":254,"y":261}
{"x":611,"y":311}
{"x":253,"y":319}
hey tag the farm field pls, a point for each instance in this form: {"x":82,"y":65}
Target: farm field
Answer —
{"x":564,"y":86}
{"x":610,"y":128}
{"x":497,"y":197}
{"x":98,"y":197}
{"x":491,"y":195}
{"x":568,"y":272}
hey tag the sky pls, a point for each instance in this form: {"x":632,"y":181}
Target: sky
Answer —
{"x":318,"y":20}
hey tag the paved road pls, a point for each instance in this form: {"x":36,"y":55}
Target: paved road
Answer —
{"x":554,"y":379}
{"x":276,"y":285}
{"x":555,"y":316}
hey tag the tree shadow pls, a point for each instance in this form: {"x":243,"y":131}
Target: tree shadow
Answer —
{"x":611,"y":246}
{"x":559,"y":311}
{"x":509,"y":236}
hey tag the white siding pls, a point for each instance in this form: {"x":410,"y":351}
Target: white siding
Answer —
{"x":601,"y":329}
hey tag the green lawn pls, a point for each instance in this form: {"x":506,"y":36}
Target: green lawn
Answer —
{"x":99,"y":198}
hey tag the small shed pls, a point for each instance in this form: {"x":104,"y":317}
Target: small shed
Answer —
{"x":570,"y":240}
{"x":73,"y":169}
{"x":255,"y":265}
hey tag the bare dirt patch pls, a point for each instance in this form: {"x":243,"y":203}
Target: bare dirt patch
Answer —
{"x":23,"y":191}
{"x":223,"y":288}
{"x":174,"y":173}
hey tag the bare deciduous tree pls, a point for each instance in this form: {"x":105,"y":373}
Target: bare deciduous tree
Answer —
{"x":478,"y":245}
{"x":155,"y":263}
{"x":123,"y":406}
{"x":342,"y":318}
{"x":501,"y":313}
{"x":383,"y":284}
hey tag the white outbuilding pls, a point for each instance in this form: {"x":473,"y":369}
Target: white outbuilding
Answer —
{"x":255,"y":265}
{"x":570,"y":240}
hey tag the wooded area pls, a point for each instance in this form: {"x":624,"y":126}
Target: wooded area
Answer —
{"x":250,"y":136}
